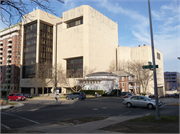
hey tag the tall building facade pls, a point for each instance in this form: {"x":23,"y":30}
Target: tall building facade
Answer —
{"x":172,"y":80}
{"x":10,"y":48}
{"x":82,"y":37}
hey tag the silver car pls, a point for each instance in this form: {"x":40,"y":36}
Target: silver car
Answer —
{"x":140,"y":101}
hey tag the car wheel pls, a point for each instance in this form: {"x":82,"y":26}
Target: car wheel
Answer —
{"x":150,"y":106}
{"x":67,"y":98}
{"x":129,"y":105}
{"x":16,"y":99}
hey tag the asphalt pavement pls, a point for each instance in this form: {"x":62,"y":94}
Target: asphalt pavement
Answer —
{"x":92,"y":127}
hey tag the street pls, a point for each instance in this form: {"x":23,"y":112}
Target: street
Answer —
{"x":43,"y":111}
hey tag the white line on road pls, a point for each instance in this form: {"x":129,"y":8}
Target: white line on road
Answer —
{"x":21,"y":117}
{"x":5,"y":126}
{"x":162,"y":105}
{"x":149,"y":113}
{"x":128,"y":111}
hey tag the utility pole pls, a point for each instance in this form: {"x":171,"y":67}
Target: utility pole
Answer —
{"x":154,"y":65}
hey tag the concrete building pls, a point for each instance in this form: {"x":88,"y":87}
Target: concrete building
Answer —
{"x":172,"y":80}
{"x":82,"y":37}
{"x":10,"y":47}
{"x":144,"y":54}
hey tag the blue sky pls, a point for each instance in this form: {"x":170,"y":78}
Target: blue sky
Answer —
{"x":133,"y":23}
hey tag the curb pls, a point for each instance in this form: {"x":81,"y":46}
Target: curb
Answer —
{"x":11,"y":106}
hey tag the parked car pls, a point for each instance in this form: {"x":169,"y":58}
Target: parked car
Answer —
{"x":140,"y":101}
{"x":124,"y":93}
{"x":76,"y":95}
{"x":16,"y":97}
{"x":112,"y":93}
{"x":167,"y":95}
{"x":151,"y":96}
{"x":27,"y":95}
{"x":128,"y":95}
{"x":176,"y":95}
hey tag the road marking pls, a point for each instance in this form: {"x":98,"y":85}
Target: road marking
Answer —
{"x":128,"y":111}
{"x":149,"y":113}
{"x":125,"y":113}
{"x":21,"y":117}
{"x":104,"y":107}
{"x":5,"y":126}
{"x":95,"y":109}
{"x":162,"y":106}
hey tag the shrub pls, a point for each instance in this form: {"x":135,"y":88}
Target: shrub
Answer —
{"x":143,"y":94}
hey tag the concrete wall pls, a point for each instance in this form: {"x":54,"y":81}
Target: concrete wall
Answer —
{"x":143,"y":54}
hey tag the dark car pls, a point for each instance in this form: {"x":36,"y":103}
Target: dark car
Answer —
{"x":124,"y":93}
{"x":151,"y":96}
{"x":176,"y":95}
{"x":112,"y":93}
{"x":167,"y":95}
{"x":76,"y":95}
{"x":28,"y":95}
{"x":16,"y":97}
{"x":128,"y":95}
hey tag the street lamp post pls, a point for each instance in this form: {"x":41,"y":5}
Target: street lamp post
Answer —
{"x":154,"y":65}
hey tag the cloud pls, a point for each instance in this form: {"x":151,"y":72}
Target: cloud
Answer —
{"x":166,"y":28}
{"x":140,"y":22}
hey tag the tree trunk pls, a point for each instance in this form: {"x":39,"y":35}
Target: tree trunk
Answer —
{"x":43,"y":89}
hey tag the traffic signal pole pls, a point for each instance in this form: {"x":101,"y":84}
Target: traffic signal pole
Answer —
{"x":154,"y":65}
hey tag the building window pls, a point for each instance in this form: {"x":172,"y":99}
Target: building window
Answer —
{"x":75,"y":23}
{"x":122,"y":84}
{"x":158,"y":56}
{"x":122,"y":78}
{"x":75,"y":68}
{"x":30,"y":38}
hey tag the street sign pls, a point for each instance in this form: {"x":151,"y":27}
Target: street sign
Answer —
{"x":149,"y":66}
{"x":150,"y":63}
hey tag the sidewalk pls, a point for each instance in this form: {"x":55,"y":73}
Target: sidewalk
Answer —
{"x":90,"y":127}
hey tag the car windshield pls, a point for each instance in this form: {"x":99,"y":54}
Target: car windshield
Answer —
{"x":19,"y":95}
{"x":147,"y":98}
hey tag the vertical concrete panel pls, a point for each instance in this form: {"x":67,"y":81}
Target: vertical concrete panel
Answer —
{"x":38,"y":43}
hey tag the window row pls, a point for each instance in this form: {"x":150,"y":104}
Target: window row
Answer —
{"x":30,"y":49}
{"x":75,"y":23}
{"x":31,"y":55}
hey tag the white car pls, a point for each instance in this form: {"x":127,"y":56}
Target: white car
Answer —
{"x":140,"y":101}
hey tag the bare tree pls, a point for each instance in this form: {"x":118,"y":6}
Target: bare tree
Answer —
{"x":18,"y":8}
{"x":43,"y":75}
{"x":73,"y":80}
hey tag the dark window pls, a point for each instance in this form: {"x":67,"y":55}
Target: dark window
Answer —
{"x":75,"y":23}
{"x":75,"y":68}
{"x":158,"y":56}
{"x":29,"y":53}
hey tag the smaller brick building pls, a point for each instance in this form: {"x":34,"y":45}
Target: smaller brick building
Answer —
{"x":126,"y":81}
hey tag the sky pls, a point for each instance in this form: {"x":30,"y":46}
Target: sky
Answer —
{"x":132,"y":17}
